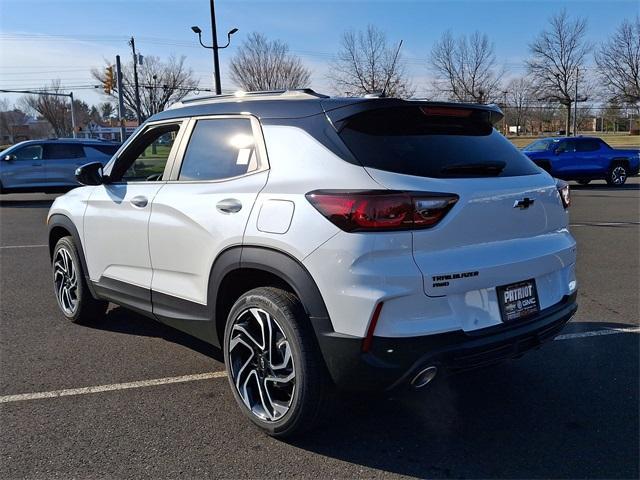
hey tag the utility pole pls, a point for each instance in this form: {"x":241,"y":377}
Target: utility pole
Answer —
{"x":120,"y":99}
{"x":504,"y":118}
{"x":132,"y":42}
{"x":575,"y":108}
{"x":73,"y":117}
{"x":216,"y":61}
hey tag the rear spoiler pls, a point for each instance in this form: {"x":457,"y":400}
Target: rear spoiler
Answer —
{"x":338,"y":114}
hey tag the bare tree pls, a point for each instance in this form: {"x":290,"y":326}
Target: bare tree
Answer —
{"x":557,"y":59}
{"x":618,"y":62}
{"x":262,"y":64}
{"x":520,"y":97}
{"x":56,"y":109}
{"x":367,"y":63}
{"x":465,"y":68}
{"x":161,"y":83}
{"x":107,"y":110}
{"x":11,"y":119}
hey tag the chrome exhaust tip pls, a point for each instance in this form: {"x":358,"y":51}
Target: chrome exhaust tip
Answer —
{"x":424,"y":377}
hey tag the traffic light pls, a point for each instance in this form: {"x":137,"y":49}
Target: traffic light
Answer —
{"x":109,"y":81}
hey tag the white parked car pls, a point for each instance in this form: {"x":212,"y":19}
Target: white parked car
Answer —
{"x":359,"y":243}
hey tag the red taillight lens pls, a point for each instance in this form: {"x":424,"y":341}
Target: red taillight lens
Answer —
{"x":381,"y":210}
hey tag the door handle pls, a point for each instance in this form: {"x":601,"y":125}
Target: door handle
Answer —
{"x":229,"y":205}
{"x":139,"y":201}
{"x":36,"y":164}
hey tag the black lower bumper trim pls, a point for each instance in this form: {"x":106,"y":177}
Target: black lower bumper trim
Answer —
{"x":394,"y":361}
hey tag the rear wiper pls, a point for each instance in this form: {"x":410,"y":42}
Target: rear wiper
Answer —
{"x":486,"y":169}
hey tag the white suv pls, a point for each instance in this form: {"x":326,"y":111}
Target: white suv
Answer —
{"x":358,"y":243}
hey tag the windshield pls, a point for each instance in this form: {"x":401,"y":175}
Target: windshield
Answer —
{"x":540,"y":145}
{"x":438,"y":143}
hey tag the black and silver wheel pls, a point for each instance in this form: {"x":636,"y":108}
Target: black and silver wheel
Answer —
{"x":73,"y":296}
{"x":617,"y":175}
{"x":274,"y":366}
{"x":65,"y":280}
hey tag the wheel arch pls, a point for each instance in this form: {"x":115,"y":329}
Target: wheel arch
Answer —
{"x":620,"y":160}
{"x":242,"y":268}
{"x":61,"y":226}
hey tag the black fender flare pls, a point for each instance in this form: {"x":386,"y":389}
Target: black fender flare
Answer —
{"x":282,"y":265}
{"x":60,"y":220}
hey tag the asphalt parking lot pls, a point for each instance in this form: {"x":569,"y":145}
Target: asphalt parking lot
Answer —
{"x":569,"y":410}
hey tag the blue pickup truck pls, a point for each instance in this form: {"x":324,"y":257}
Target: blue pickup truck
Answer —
{"x":583,"y":159}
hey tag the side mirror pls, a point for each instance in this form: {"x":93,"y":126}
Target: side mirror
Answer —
{"x":90,"y":174}
{"x":9,"y":158}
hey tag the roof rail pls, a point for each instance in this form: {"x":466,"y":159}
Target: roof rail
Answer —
{"x":241,"y":94}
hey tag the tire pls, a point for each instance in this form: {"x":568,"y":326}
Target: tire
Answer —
{"x":617,"y":174}
{"x":583,"y":181}
{"x":297,"y":397}
{"x":70,"y":288}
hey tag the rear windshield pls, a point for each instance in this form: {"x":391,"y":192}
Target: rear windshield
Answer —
{"x":430,"y":142}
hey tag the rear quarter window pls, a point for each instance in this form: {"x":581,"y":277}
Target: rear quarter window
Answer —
{"x":409,"y":141}
{"x":100,"y":150}
{"x":63,"y":151}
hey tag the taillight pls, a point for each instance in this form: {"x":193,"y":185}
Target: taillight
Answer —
{"x":565,"y":194}
{"x":381,"y":210}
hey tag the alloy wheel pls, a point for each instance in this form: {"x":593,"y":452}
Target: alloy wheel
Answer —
{"x":65,"y":278}
{"x":618,"y":175}
{"x":261,"y":364}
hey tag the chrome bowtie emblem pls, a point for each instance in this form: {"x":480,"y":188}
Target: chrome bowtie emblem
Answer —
{"x":526,"y":202}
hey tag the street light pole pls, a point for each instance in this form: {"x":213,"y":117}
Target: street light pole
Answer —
{"x":214,"y":38}
{"x":215,"y":47}
{"x":132,"y":44}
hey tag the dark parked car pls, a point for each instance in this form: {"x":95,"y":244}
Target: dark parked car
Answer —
{"x":49,"y":165}
{"x":583,"y":159}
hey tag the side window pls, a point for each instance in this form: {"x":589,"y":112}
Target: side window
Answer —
{"x":62,"y":151}
{"x":218,"y":149}
{"x":30,"y":152}
{"x":568,"y":146}
{"x":145,"y":159}
{"x":587,"y":145}
{"x":100,"y":150}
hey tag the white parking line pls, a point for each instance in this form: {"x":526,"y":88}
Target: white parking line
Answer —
{"x":23,"y":246}
{"x":109,"y":388}
{"x":597,"y":333}
{"x":604,"y":224}
{"x":221,"y":374}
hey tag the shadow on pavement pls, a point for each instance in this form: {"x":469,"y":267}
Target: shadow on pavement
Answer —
{"x":569,"y":410}
{"x":121,"y":320}
{"x":566,"y":411}
{"x":20,"y":203}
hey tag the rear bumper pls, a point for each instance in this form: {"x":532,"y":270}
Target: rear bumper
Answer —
{"x":392,"y":362}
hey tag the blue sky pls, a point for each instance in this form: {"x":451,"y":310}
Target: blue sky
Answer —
{"x":45,"y":39}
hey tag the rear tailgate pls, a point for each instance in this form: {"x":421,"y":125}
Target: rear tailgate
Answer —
{"x":484,"y":241}
{"x":508,"y":224}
